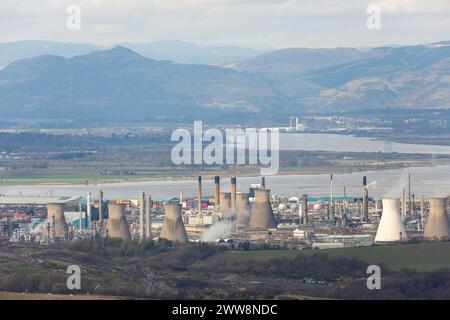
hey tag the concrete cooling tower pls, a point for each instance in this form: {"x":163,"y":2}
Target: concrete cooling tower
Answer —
{"x":391,"y":228}
{"x":117,"y":224}
{"x":225,"y":204}
{"x":173,"y":227}
{"x":437,"y":226}
{"x":262,"y":214}
{"x":243,"y":209}
{"x":55,"y":214}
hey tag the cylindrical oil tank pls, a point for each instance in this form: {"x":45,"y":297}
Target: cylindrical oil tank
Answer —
{"x":173,"y":227}
{"x":117,"y":223}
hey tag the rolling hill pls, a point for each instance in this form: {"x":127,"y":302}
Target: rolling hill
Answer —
{"x":120,"y":83}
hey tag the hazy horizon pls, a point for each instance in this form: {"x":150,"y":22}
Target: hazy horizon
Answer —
{"x":274,"y":23}
{"x":261,"y":47}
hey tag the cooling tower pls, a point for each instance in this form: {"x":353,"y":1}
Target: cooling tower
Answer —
{"x":437,"y":227}
{"x":243,"y":209}
{"x":262,"y":214}
{"x":391,"y":228}
{"x":117,"y":224}
{"x":173,"y":227}
{"x":55,"y":213}
{"x":225,"y":204}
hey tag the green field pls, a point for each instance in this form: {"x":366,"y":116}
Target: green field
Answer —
{"x":421,"y":257}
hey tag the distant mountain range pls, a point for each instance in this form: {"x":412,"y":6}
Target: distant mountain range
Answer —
{"x":121,"y":83}
{"x":177,"y":51}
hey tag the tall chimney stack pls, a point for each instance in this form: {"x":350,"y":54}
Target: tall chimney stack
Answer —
{"x":305,"y":209}
{"x":200,"y":195}
{"x":409,"y":194}
{"x":80,"y":208}
{"x":365,"y":200}
{"x":422,"y":210}
{"x":148,"y":217}
{"x":404,"y":204}
{"x":88,"y":210}
{"x":233,"y":195}
{"x":331,"y":198}
{"x":100,"y":212}
{"x":141,"y":216}
{"x":217,"y":192}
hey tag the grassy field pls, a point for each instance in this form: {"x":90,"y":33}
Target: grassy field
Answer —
{"x":421,"y":257}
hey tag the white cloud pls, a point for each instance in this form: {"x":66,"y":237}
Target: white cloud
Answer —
{"x":313,"y":23}
{"x":418,"y":6}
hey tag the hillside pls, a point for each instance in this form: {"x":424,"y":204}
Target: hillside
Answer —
{"x":346,"y":79}
{"x":120,"y":83}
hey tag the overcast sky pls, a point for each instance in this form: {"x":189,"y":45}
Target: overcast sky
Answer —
{"x":278,"y":23}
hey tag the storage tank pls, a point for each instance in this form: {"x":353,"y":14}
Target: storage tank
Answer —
{"x":117,"y":223}
{"x":437,"y":226}
{"x":391,"y":228}
{"x":173,"y":227}
{"x":262,"y":215}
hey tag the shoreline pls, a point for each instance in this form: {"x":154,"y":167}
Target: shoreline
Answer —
{"x":227,"y":174}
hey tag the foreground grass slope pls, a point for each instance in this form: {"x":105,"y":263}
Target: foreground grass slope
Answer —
{"x":163,"y":270}
{"x":418,"y":256}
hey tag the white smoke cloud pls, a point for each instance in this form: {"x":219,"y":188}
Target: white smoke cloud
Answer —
{"x":396,"y":190}
{"x":219,"y":230}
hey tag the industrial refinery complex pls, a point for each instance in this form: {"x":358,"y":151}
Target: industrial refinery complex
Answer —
{"x":255,"y":219}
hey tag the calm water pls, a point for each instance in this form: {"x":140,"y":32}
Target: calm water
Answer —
{"x":337,"y":142}
{"x":431,"y":181}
